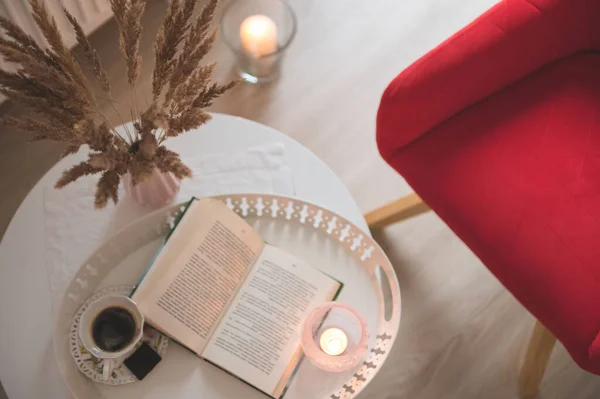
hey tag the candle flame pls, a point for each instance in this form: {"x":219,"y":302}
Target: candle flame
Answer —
{"x":334,"y":341}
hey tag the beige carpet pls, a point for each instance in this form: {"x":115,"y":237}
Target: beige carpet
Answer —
{"x":462,"y":335}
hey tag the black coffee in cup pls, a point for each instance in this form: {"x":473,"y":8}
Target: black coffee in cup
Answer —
{"x":113,"y":329}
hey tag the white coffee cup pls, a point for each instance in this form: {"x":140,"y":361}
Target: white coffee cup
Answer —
{"x":86,"y":327}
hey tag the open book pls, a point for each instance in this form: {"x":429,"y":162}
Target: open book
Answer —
{"x":217,"y":288}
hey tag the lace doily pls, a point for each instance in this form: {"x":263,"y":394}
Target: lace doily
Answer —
{"x":91,"y":366}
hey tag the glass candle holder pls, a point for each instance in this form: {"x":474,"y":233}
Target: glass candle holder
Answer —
{"x":335,"y":337}
{"x":258,"y":32}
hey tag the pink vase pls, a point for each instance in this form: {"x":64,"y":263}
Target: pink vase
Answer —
{"x":156,"y":192}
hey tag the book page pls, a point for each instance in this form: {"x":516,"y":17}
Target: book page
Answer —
{"x":198,"y":272}
{"x":258,"y":339}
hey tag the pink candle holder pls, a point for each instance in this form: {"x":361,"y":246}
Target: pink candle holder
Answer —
{"x":335,"y":337}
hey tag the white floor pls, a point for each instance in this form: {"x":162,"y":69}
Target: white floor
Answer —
{"x":462,"y":334}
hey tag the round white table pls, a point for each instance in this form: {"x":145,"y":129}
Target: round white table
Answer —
{"x":27,"y":365}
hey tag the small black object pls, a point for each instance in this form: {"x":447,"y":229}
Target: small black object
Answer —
{"x":142,"y":361}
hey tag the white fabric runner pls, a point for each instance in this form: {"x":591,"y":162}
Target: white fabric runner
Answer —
{"x":74,"y":228}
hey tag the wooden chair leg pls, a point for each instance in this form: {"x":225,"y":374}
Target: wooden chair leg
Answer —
{"x":404,"y":208}
{"x":536,"y":360}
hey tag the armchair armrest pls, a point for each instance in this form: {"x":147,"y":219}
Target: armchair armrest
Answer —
{"x":595,"y":349}
{"x":510,"y":41}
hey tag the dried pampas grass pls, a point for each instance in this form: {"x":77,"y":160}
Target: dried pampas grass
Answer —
{"x":52,"y":83}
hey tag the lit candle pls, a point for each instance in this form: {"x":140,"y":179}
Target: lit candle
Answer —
{"x":334,"y":341}
{"x":259,"y":35}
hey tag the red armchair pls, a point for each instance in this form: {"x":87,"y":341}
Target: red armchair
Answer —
{"x":498,"y":131}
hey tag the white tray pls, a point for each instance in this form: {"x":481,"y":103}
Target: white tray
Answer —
{"x":317,"y":235}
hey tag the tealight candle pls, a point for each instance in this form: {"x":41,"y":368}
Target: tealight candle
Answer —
{"x":258,"y":32}
{"x":259,"y":35}
{"x":333,"y":341}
